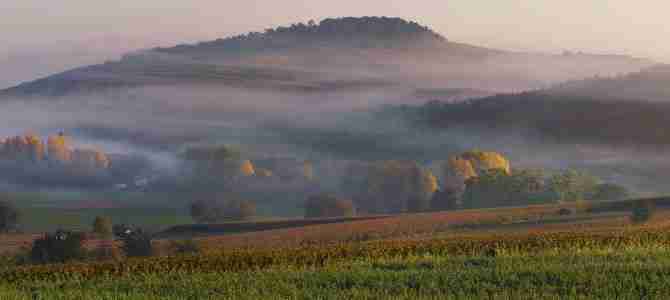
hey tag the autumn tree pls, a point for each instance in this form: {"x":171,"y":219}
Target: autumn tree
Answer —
{"x":483,"y":161}
{"x":308,"y":170}
{"x":35,"y":147}
{"x":264,"y":173}
{"x":247,"y":168}
{"x":59,"y":148}
{"x":23,"y":148}
{"x":461,"y":168}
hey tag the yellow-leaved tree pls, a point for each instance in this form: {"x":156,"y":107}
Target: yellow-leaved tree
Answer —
{"x":247,"y":168}
{"x":58,"y":147}
{"x":469,"y":165}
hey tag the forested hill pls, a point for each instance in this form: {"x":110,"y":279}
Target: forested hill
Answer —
{"x":651,"y":84}
{"x":631,"y":110}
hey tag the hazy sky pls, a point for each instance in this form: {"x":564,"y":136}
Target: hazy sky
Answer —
{"x":41,"y":37}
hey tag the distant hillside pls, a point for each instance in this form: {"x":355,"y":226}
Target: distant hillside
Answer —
{"x":650,"y":84}
{"x":627,"y":110}
{"x":345,"y":54}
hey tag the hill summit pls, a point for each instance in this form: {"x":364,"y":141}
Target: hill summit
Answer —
{"x":365,"y":32}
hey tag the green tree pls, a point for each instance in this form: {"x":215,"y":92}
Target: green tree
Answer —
{"x":610,"y":192}
{"x":445,"y":200}
{"x":572,"y":185}
{"x":396,"y":187}
{"x":58,"y":247}
{"x":496,"y":187}
{"x":328,"y":206}
{"x":137,"y":243}
{"x":221,"y":208}
{"x":237,"y":209}
{"x":9,"y":216}
{"x":211,"y":167}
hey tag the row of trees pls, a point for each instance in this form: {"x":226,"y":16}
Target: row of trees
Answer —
{"x":222,"y":208}
{"x":221,"y":167}
{"x":552,"y":114}
{"x":474,"y":179}
{"x":57,"y":149}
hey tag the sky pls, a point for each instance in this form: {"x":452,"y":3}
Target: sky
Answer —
{"x":40,"y":37}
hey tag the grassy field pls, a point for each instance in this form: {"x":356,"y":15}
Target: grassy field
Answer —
{"x":48,"y":211}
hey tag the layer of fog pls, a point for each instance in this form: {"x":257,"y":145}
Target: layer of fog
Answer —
{"x":158,"y":122}
{"x":334,"y":123}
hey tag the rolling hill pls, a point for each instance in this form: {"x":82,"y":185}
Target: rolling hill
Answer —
{"x":346,"y":54}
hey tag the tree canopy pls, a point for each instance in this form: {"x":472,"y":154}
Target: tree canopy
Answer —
{"x":394,"y":187}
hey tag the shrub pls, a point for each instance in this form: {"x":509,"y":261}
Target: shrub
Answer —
{"x":137,"y":243}
{"x":9,"y":216}
{"x":208,"y":211}
{"x":58,"y":247}
{"x":564,"y":212}
{"x":105,"y":250}
{"x":642,"y":211}
{"x":328,"y":206}
{"x":102,"y":226}
{"x":122,"y":230}
{"x":583,"y":207}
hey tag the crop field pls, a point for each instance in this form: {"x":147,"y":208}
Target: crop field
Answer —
{"x":510,"y":253}
{"x":627,"y":263}
{"x":410,"y":226}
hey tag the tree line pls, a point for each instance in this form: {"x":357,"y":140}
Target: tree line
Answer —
{"x":364,"y":32}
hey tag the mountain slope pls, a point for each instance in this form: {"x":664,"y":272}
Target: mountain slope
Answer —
{"x":347,"y":54}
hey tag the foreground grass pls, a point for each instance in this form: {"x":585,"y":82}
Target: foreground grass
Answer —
{"x":630,"y":262}
{"x":632,"y":274}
